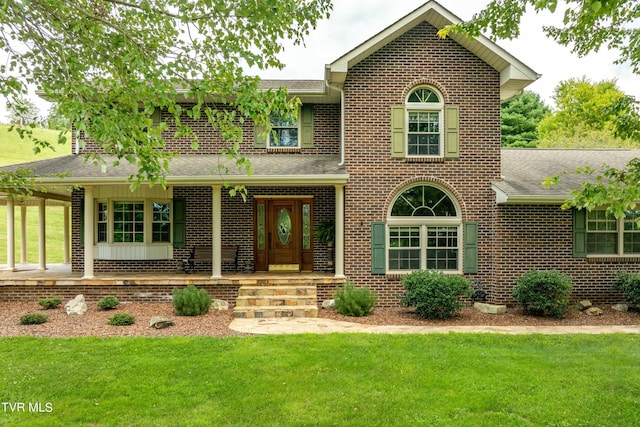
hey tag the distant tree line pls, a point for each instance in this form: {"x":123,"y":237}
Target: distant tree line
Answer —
{"x":586,"y":115}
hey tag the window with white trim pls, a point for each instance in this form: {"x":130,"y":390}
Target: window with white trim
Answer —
{"x":425,"y":122}
{"x":424,"y":231}
{"x":608,"y":235}
{"x":133,"y":221}
{"x":284,"y":132}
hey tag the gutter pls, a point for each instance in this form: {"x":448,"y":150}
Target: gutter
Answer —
{"x":341,"y":120}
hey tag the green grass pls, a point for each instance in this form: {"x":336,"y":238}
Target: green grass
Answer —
{"x":13,"y":150}
{"x":340,"y":379}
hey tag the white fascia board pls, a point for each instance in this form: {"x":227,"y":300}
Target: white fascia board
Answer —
{"x":254,"y":180}
{"x":502,"y":198}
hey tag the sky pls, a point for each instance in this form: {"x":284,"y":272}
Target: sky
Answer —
{"x":352,"y":22}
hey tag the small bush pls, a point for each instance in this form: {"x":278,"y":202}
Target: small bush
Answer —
{"x":108,"y":303}
{"x":50,"y":303}
{"x":543,"y":293}
{"x":122,"y":319}
{"x":191,"y":301}
{"x":629,"y":285}
{"x":355,"y":302}
{"x":33,"y":318}
{"x":434,"y":294}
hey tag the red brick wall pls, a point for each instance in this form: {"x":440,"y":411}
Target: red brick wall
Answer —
{"x":540,"y":237}
{"x":384,"y":79}
{"x":237,"y":228}
{"x":326,"y":133}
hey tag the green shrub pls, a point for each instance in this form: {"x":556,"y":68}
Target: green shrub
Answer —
{"x":33,"y":318}
{"x":629,"y":285}
{"x":122,"y":319}
{"x":108,"y":303}
{"x":434,"y":294}
{"x":50,"y":303}
{"x":352,"y":301}
{"x":191,"y":301}
{"x":543,"y":293}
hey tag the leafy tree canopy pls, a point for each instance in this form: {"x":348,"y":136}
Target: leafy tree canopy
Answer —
{"x":519,"y":119}
{"x":588,"y":25}
{"x":109,"y":64}
{"x":590,"y":115}
{"x":22,"y":112}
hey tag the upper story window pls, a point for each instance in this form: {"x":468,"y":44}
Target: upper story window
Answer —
{"x":424,"y":131}
{"x":424,"y":128}
{"x":284,"y":132}
{"x":289,"y":133}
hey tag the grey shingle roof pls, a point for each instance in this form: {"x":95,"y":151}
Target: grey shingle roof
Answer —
{"x":201,"y":169}
{"x":523,"y":171}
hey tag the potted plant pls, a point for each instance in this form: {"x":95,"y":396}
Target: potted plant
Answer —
{"x":325,"y":231}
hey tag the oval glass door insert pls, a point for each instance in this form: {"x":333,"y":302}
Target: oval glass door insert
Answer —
{"x":284,"y":226}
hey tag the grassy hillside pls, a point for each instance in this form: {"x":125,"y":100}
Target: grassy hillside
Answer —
{"x":13,"y":150}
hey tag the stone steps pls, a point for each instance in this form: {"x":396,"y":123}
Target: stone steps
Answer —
{"x":271,"y":301}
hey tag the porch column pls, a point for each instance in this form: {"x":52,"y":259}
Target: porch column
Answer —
{"x":11,"y":255}
{"x":23,"y":234}
{"x":339,"y":238}
{"x":88,"y":233}
{"x":216,"y":232}
{"x":42,"y":235}
{"x":67,"y":239}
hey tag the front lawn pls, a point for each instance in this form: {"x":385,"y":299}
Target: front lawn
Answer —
{"x":339,"y":379}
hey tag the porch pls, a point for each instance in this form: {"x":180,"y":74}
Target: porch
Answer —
{"x":29,"y":283}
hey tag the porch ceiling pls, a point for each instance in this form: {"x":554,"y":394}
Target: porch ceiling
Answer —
{"x":198,"y":169}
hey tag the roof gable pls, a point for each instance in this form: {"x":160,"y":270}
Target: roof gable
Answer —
{"x":514,"y":75}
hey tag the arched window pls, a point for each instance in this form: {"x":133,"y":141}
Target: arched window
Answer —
{"x":424,"y":230}
{"x":425,"y":121}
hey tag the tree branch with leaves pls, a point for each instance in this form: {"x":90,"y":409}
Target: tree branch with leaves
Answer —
{"x":109,"y":64}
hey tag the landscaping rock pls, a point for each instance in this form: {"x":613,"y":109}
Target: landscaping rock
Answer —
{"x":160,"y":322}
{"x":593,"y":311}
{"x":620,"y":307}
{"x":219,"y":305}
{"x":584,"y":304}
{"x":329,"y":304}
{"x":76,"y":305}
{"x":490,"y":308}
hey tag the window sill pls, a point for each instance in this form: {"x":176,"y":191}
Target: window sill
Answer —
{"x":283,"y":149}
{"x":424,"y":159}
{"x":624,"y":259}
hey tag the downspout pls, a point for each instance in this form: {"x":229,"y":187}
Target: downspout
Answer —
{"x":341,"y":120}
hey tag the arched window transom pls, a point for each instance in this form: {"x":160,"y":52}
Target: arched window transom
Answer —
{"x":423,"y":200}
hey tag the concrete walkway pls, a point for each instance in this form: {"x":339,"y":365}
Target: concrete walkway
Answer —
{"x":304,"y":325}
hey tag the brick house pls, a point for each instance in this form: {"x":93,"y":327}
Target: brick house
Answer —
{"x":399,"y":146}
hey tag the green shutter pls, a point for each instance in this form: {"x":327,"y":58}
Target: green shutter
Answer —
{"x":378,"y":248}
{"x":179,"y":223}
{"x":470,"y":238}
{"x":259,"y":137}
{"x":452,"y":131}
{"x":579,"y":233}
{"x":398,"y":132}
{"x":306,"y":126}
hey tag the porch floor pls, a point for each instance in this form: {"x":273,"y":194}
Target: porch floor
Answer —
{"x":61,"y":274}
